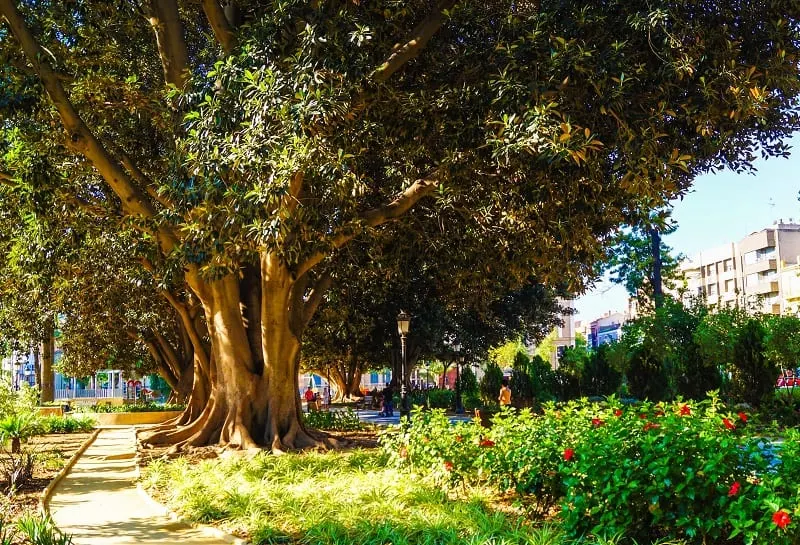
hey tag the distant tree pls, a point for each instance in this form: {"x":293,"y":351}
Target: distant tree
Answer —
{"x":753,"y":374}
{"x":782,"y":342}
{"x":641,"y":261}
{"x":490,"y":383}
{"x":600,"y":376}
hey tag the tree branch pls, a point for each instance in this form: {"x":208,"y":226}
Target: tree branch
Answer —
{"x":81,"y":138}
{"x":166,"y":23}
{"x":314,"y":299}
{"x":142,"y":178}
{"x":414,"y":43}
{"x":188,"y":323}
{"x":223,"y":31}
{"x":376,"y":217}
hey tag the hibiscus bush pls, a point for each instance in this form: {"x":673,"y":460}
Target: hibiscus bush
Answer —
{"x":658,"y":471}
{"x":691,"y":471}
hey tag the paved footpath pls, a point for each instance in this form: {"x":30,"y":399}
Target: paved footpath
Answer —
{"x":98,"y":503}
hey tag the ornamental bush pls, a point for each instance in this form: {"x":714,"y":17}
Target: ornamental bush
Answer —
{"x":689,"y":471}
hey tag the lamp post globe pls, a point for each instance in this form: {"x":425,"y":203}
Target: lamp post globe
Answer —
{"x":403,"y":324}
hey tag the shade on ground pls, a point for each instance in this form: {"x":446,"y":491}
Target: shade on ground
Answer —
{"x":98,"y":503}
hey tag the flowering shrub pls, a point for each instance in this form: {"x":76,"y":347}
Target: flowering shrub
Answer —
{"x":688,"y":470}
{"x":430,"y":443}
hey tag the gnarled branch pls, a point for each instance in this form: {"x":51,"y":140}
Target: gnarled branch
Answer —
{"x":378,"y":216}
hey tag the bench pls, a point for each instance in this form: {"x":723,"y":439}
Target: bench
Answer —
{"x":364,"y":403}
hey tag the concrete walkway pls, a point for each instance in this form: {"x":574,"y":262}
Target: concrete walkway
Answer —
{"x":98,"y":503}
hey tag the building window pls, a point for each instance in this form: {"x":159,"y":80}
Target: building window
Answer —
{"x":728,"y":265}
{"x":712,"y":289}
{"x":730,"y":285}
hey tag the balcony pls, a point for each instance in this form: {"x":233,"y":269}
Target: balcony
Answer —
{"x":762,"y":265}
{"x":765,"y":287}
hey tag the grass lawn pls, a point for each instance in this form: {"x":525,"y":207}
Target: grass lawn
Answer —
{"x":336,"y":498}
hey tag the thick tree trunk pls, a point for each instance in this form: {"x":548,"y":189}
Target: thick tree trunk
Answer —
{"x":347,"y":378}
{"x":252,"y":374}
{"x":48,"y":355}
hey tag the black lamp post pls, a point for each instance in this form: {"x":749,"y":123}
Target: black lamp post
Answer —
{"x":403,"y":322}
{"x":459,"y":405}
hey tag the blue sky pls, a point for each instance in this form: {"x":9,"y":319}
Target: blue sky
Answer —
{"x":721,"y":207}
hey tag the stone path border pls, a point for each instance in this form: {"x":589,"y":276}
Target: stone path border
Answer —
{"x":44,"y":497}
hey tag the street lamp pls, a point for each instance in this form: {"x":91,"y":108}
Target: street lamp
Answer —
{"x":459,"y":406}
{"x":403,"y":322}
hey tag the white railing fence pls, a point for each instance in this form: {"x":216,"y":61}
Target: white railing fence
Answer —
{"x":89,"y":393}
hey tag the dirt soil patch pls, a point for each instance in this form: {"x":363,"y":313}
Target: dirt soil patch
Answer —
{"x":51,"y":453}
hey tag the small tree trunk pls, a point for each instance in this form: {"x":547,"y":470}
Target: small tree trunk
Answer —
{"x":655,"y":248}
{"x":48,"y":355}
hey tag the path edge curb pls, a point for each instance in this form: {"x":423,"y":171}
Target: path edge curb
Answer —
{"x":44,"y":497}
{"x":167,"y":512}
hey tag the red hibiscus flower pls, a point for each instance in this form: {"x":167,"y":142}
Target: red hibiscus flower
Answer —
{"x":448,"y":466}
{"x":728,"y":424}
{"x":685,"y":410}
{"x":617,"y":412}
{"x":568,"y":454}
{"x":743,"y":417}
{"x":659,"y":413}
{"x":459,"y":439}
{"x":487,"y":443}
{"x":651,"y":426}
{"x":781,"y":519}
{"x":734,"y":489}
{"x":643,"y":416}
{"x":404,"y":452}
{"x":596,"y":422}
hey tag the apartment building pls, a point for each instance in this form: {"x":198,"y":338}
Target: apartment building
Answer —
{"x":755,"y":272}
{"x":607,"y":328}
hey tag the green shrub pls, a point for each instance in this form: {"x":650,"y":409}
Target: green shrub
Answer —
{"x":150,"y":406}
{"x":333,"y":420}
{"x":441,"y":398}
{"x":66,"y":424}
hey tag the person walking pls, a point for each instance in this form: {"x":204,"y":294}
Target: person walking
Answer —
{"x":326,"y":398}
{"x":388,"y":407}
{"x":505,"y":394}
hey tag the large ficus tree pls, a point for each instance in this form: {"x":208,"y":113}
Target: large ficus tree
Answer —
{"x":250,"y":145}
